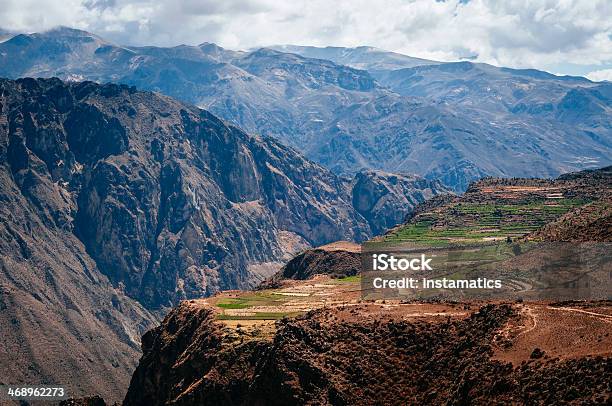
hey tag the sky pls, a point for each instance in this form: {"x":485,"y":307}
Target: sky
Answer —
{"x":559,"y":36}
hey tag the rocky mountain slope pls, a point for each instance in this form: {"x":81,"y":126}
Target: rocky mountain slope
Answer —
{"x":361,"y":354}
{"x":456,"y":122}
{"x":385,"y":199}
{"x":365,"y":58}
{"x":589,"y":222}
{"x":531,"y":101}
{"x":62,"y":321}
{"x":169,"y":201}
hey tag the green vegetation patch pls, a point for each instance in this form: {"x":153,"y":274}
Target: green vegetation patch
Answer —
{"x":349,"y":279}
{"x":259,"y":316}
{"x":233,"y":304}
{"x":472,"y":222}
{"x":249,"y":299}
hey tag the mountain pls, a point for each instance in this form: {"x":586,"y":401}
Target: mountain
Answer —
{"x":148,"y":176}
{"x":574,"y":207}
{"x":365,"y":58}
{"x":168,"y":200}
{"x":455,"y":122}
{"x":503,"y":94}
{"x":385,"y":199}
{"x":62,"y":320}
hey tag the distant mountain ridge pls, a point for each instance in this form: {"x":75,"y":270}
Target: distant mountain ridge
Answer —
{"x":455,"y":122}
{"x":4,"y":34}
{"x":362,"y":57}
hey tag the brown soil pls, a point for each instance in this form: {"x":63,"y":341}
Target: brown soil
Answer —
{"x":561,"y":332}
{"x":341,"y":246}
{"x":381,"y":353}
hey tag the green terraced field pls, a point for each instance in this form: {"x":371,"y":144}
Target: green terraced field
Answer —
{"x":263,"y":298}
{"x":473,"y":222}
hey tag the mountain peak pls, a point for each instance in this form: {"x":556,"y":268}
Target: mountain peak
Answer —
{"x":361,"y":57}
{"x":64,"y":31}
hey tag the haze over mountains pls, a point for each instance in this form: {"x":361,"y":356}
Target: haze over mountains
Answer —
{"x":454,"y":121}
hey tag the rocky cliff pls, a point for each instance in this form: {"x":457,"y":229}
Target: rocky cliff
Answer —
{"x":338,"y":260}
{"x":62,"y":321}
{"x":385,"y":199}
{"x":169,"y":201}
{"x":353,"y":356}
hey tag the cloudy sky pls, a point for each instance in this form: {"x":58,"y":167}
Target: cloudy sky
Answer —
{"x":560,"y":36}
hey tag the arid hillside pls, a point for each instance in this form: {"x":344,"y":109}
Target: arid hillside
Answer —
{"x":339,"y":260}
{"x":308,"y":337}
{"x":378,"y":353}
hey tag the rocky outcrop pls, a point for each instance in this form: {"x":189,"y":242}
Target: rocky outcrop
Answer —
{"x":337,"y":264}
{"x":339,"y":260}
{"x":89,"y":401}
{"x":330,"y":357}
{"x":385,"y":199}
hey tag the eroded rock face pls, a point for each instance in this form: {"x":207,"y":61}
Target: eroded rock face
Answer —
{"x":168,"y":200}
{"x":61,"y":320}
{"x":385,"y":199}
{"x":338,"y":263}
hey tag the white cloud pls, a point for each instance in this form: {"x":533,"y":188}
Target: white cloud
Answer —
{"x":600,"y":75}
{"x":518,"y":33}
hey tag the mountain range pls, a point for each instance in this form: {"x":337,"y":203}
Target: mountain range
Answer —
{"x":118,"y":203}
{"x":455,"y":122}
{"x":121,"y":199}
